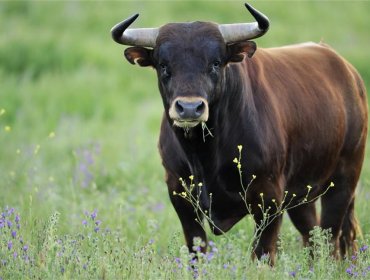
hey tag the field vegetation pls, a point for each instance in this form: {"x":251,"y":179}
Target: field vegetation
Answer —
{"x":82,"y":186}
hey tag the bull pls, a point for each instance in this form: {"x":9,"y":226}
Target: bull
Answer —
{"x":298,"y":115}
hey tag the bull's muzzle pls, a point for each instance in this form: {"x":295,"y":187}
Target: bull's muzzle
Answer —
{"x":188,"y":112}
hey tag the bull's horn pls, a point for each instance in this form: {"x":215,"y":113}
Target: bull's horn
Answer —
{"x":144,"y":37}
{"x":237,"y":32}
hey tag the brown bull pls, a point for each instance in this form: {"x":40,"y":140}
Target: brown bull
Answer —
{"x":299,"y":112}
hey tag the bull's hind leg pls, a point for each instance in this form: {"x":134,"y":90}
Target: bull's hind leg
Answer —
{"x":350,"y":230}
{"x":337,"y":209}
{"x":304,"y":219}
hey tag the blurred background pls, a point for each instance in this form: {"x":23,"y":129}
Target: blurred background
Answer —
{"x":79,"y":125}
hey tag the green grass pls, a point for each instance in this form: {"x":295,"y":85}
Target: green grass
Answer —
{"x":79,"y":132}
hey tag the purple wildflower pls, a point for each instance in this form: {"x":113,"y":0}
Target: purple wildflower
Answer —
{"x":9,"y":223}
{"x":84,"y":222}
{"x":96,"y":229}
{"x":210,"y":256}
{"x":17,"y":219}
{"x":196,"y":248}
{"x":94,"y":214}
{"x":10,"y":245}
{"x":352,"y":271}
{"x":14,"y":234}
{"x":25,"y":248}
{"x":10,"y":211}
{"x":178,"y":262}
{"x":98,"y":222}
{"x":15,"y":254}
{"x":193,"y":261}
{"x":292,"y":273}
{"x":364,"y":248}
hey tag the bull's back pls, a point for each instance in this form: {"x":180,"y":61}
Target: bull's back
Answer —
{"x":318,"y":100}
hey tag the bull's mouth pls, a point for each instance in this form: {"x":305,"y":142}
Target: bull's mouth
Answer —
{"x":186,"y":124}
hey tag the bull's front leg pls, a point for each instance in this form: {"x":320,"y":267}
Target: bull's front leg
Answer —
{"x":267,"y":221}
{"x":190,"y":218}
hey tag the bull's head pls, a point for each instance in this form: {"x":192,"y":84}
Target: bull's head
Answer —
{"x":190,"y":59}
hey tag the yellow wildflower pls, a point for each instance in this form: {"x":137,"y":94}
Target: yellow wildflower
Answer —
{"x":7,"y":128}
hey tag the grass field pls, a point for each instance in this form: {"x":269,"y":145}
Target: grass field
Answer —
{"x":82,"y":186}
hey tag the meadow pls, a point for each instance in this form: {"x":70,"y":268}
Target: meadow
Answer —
{"x":82,"y":186}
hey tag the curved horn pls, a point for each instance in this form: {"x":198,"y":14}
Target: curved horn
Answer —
{"x":237,"y":32}
{"x":144,"y":37}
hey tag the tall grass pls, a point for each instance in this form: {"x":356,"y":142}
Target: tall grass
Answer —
{"x":78,"y":133}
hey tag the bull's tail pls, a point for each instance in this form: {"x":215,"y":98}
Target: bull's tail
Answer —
{"x":350,"y":231}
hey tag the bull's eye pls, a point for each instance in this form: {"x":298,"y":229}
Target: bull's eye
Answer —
{"x":165,"y":73}
{"x":215,"y":66}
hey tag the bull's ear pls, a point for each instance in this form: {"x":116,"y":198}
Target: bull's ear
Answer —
{"x":139,"y":55}
{"x":237,"y":51}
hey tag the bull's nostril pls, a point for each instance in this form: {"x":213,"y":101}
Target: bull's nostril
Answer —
{"x":179,"y":107}
{"x":200,"y":108}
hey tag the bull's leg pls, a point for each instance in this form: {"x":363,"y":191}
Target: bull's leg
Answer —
{"x":267,"y":230}
{"x":336,"y":203}
{"x":267,"y":220}
{"x":192,"y":224}
{"x":350,"y":230}
{"x":304,"y":219}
